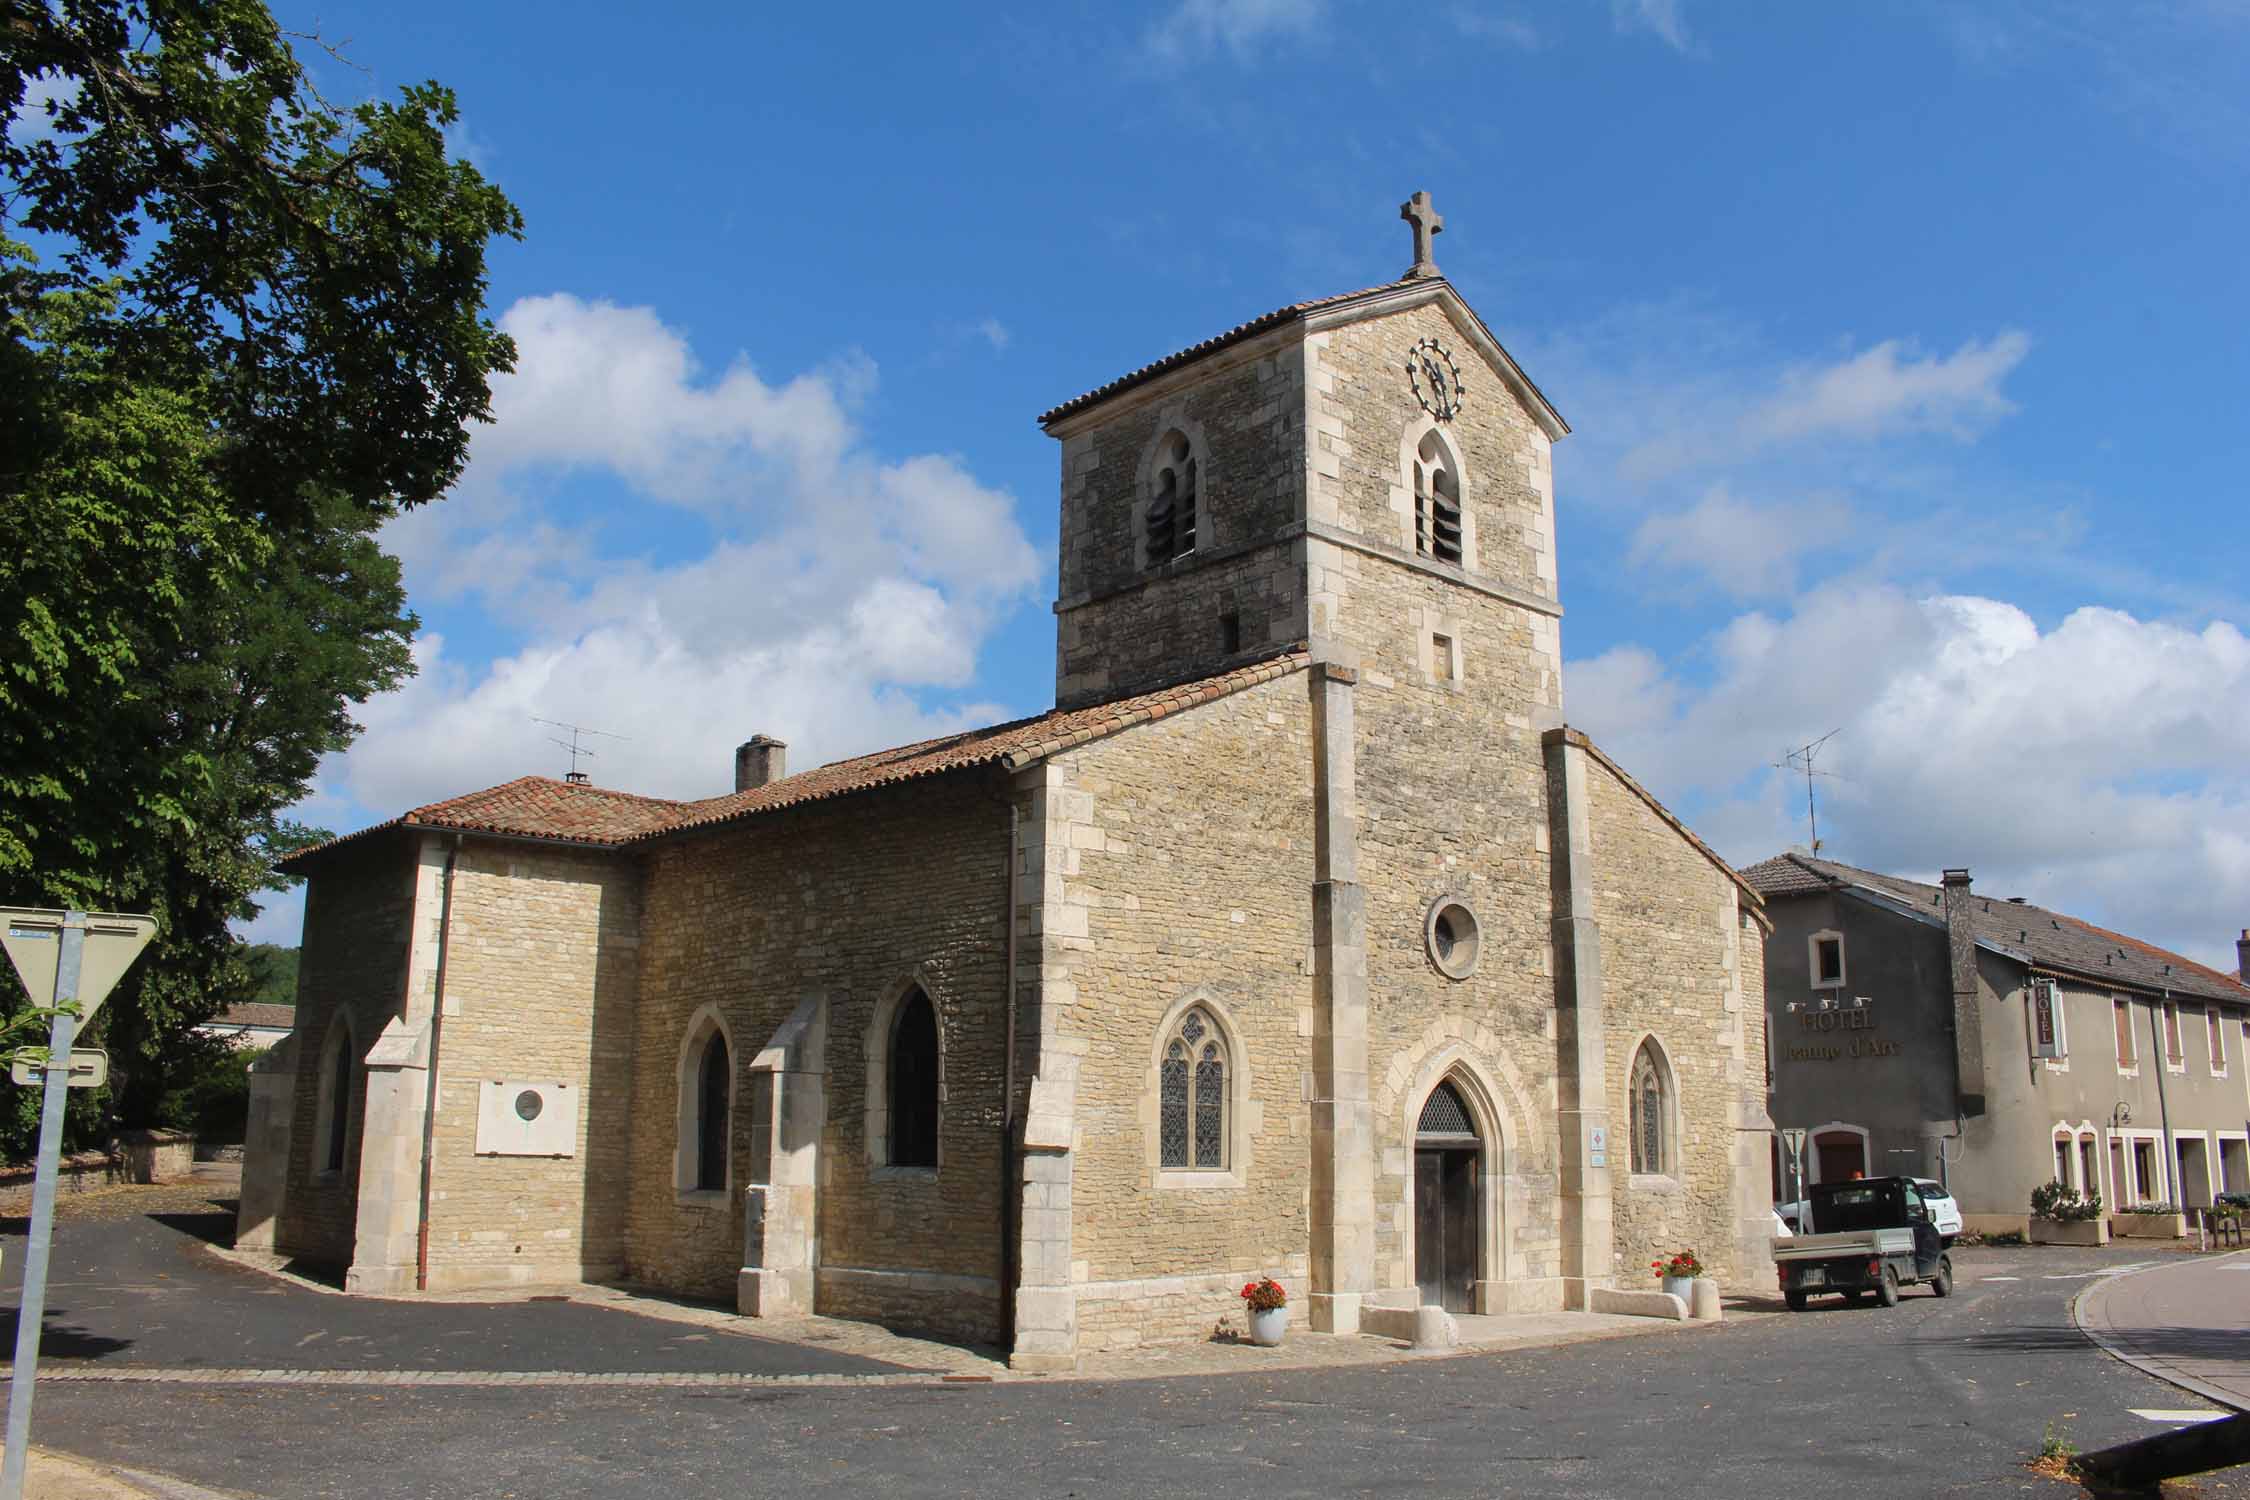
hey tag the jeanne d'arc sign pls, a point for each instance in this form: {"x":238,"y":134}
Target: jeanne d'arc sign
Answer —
{"x":1857,"y":1018}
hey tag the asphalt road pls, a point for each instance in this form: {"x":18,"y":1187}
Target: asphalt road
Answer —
{"x":139,"y":1290}
{"x":1932,"y":1398}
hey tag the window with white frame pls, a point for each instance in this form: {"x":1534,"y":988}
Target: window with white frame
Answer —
{"x":1437,"y":500}
{"x":2089,"y":1159}
{"x":2175,"y":1052}
{"x":1827,"y":960}
{"x":2121,"y":1012}
{"x":2218,"y":1041}
{"x":1192,"y":1096}
{"x":1649,"y":1105}
{"x":2063,"y":1154}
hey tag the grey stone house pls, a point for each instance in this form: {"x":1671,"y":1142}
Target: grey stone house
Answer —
{"x":1996,"y":1045}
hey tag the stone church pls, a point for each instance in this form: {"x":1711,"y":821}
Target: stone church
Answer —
{"x":1301,"y":937}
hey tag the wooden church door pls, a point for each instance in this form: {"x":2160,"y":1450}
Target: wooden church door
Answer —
{"x":1447,"y":1209}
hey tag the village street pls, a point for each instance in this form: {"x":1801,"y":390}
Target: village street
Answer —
{"x":1937,"y":1397}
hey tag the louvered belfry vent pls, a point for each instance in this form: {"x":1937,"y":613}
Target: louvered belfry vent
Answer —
{"x":1443,"y":1113}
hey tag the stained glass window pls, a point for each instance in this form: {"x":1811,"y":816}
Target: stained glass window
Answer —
{"x":1210,"y":1118}
{"x":1174,"y":1131}
{"x":1192,"y":1096}
{"x":1646,"y":1102}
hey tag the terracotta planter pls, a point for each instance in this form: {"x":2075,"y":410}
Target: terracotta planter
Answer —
{"x":2066,"y":1231}
{"x":2149,"y":1226}
{"x":1266,"y":1328}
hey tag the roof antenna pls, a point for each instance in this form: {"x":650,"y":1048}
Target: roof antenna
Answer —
{"x":1801,"y":759}
{"x":575,"y":776}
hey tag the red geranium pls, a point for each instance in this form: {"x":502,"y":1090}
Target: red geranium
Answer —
{"x":1264,"y":1295}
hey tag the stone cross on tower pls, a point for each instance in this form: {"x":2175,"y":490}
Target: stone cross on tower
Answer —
{"x":1423,"y":215}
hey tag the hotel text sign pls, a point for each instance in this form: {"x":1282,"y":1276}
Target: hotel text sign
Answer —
{"x":1836,"y":1022}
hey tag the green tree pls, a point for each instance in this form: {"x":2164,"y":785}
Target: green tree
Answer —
{"x":243,"y":328}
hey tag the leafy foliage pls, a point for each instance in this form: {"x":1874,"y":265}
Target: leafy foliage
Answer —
{"x":251,"y":332}
{"x":2060,"y":1201}
{"x":273,"y":974}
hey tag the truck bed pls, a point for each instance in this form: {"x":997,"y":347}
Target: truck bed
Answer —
{"x":1847,"y":1243}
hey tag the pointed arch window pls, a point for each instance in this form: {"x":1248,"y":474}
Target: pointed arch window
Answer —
{"x":1650,"y":1104}
{"x":339,"y":1102}
{"x":1437,"y":501}
{"x":1192,"y":1096}
{"x":914,"y":1083}
{"x":714,"y":1098}
{"x":1172,"y":508}
{"x":332,"y":1099}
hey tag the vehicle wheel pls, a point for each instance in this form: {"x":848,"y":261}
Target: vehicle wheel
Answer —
{"x":1796,"y":1300}
{"x":1942,"y":1282}
{"x":1887,"y":1288}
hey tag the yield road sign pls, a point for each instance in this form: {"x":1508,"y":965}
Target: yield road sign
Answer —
{"x":33,"y":938}
{"x":89,"y":1068}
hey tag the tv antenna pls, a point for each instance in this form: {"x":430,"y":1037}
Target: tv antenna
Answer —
{"x":1802,"y":759}
{"x":575,"y":776}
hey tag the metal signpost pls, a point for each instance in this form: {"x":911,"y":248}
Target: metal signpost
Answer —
{"x":74,"y":957}
{"x":1793,"y":1151}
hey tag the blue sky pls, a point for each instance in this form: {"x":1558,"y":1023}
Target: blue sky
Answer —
{"x":1905,"y":348}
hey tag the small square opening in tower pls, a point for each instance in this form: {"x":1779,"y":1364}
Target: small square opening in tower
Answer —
{"x":1230,"y":632}
{"x":1442,"y":662}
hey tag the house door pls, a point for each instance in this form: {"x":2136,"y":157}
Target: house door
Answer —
{"x":1840,"y":1155}
{"x":1448,"y":1206}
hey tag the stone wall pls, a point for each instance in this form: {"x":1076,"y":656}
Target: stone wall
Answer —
{"x":359,"y":909}
{"x":850,"y":900}
{"x":542,"y":964}
{"x":1672,"y":952}
{"x":1121,"y":624}
{"x":1185,"y":864}
{"x":1451,"y":780}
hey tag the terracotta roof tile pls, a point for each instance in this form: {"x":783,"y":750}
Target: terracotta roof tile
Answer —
{"x":539,"y":807}
{"x":256,"y":1013}
{"x":1234,"y":335}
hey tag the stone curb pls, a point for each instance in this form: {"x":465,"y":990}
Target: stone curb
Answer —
{"x":2078,"y":1316}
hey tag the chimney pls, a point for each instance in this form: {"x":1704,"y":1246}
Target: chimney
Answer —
{"x":760,"y":759}
{"x":1968,"y":1027}
{"x":2242,"y":956}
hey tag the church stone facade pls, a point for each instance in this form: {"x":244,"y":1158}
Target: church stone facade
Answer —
{"x":1302,"y":937}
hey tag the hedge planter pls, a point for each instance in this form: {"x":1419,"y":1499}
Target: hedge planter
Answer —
{"x":2067,"y":1231}
{"x":2149,"y":1226}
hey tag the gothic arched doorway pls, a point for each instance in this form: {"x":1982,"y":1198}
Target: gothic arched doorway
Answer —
{"x":1448,"y":1205}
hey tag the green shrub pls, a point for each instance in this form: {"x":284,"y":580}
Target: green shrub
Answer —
{"x":212,"y":1095}
{"x":2062,"y":1202}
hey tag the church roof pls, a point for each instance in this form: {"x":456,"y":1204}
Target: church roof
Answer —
{"x":1013,"y":745}
{"x":2029,"y":934}
{"x":542,"y":808}
{"x":1551,"y":419}
{"x":1626,"y":779}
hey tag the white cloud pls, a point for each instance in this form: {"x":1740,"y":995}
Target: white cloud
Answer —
{"x":1748,"y":550}
{"x":1197,"y":28}
{"x":830,"y":591}
{"x":1660,"y":18}
{"x":2094,"y":767}
{"x":1881,"y":392}
{"x":995,"y":332}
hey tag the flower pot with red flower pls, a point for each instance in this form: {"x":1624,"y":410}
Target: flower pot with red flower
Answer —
{"x":1269,"y":1311}
{"x":1679,"y":1272}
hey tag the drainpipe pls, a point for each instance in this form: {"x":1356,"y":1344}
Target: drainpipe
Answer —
{"x":430,"y":1096}
{"x":2163,"y":1108}
{"x":1011,"y":1226}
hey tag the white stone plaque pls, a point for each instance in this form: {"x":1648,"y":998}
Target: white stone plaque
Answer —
{"x":535,"y":1118}
{"x":1597,"y":1145}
